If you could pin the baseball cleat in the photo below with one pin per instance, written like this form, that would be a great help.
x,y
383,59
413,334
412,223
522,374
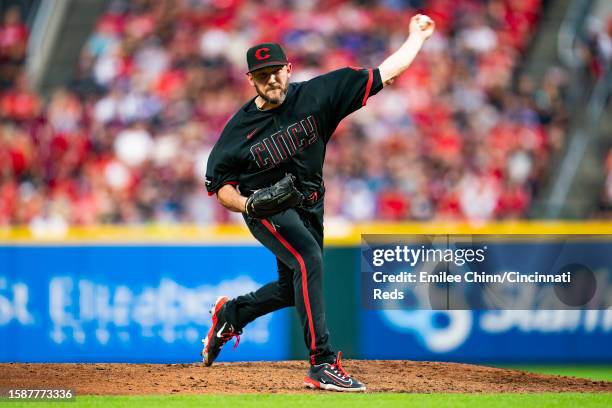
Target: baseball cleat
x,y
332,377
221,331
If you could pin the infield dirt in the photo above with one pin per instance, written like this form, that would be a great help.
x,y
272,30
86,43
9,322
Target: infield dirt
x,y
283,377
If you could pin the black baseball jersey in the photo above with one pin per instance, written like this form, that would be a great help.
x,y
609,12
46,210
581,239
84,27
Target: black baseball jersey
x,y
257,148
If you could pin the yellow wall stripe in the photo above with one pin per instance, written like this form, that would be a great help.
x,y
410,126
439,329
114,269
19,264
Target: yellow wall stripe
x,y
336,234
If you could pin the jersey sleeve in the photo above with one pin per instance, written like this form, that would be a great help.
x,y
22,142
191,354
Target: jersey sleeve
x,y
348,89
220,170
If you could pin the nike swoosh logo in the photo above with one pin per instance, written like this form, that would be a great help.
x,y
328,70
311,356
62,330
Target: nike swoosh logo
x,y
250,135
219,333
335,377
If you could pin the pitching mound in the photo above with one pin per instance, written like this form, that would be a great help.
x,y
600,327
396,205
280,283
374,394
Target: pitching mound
x,y
283,377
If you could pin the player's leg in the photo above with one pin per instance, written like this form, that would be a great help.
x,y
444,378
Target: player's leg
x,y
289,238
269,298
329,376
230,316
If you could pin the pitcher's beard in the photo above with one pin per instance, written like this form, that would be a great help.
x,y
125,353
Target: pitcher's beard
x,y
273,101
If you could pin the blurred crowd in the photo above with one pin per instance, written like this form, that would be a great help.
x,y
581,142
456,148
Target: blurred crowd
x,y
459,136
596,54
594,46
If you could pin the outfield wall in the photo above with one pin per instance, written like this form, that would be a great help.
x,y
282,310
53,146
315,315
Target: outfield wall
x,y
142,295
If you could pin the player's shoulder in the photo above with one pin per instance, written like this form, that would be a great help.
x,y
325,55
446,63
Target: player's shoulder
x,y
335,75
345,70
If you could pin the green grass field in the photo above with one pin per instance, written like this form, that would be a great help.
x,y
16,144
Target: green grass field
x,y
343,400
337,400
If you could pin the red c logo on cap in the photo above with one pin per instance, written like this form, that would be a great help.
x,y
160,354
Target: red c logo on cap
x,y
259,54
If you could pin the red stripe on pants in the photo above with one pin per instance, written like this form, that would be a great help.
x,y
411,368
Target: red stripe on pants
x,y
303,271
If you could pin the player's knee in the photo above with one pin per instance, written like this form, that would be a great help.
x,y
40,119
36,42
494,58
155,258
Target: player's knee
x,y
289,299
287,292
313,260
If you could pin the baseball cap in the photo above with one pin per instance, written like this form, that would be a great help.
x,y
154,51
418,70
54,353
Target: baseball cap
x,y
265,55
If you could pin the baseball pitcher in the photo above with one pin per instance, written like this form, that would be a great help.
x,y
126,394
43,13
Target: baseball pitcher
x,y
268,165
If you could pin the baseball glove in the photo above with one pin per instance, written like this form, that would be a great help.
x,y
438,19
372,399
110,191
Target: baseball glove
x,y
274,199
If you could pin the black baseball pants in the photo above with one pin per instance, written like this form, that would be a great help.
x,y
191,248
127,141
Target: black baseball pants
x,y
295,236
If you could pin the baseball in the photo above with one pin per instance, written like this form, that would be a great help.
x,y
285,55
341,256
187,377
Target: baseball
x,y
424,22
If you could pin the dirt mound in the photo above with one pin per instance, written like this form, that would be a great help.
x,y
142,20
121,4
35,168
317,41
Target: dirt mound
x,y
283,377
